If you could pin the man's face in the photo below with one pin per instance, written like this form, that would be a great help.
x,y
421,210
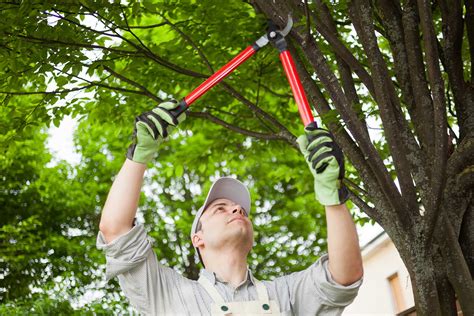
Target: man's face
x,y
225,224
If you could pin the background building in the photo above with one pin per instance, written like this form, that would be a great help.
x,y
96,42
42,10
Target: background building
x,y
387,287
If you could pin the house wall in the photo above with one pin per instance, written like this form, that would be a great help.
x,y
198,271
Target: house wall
x,y
381,261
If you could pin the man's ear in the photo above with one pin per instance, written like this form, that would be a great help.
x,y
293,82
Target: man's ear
x,y
197,239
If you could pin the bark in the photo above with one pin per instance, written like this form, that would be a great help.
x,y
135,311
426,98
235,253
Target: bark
x,y
466,237
469,18
344,68
439,111
457,270
447,299
326,26
395,126
422,110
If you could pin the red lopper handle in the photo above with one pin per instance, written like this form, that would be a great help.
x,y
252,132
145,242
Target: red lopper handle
x,y
296,86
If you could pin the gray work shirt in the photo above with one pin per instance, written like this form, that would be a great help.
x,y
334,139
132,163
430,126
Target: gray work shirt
x,y
154,289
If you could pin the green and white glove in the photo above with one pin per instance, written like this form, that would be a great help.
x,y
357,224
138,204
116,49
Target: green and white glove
x,y
326,162
152,127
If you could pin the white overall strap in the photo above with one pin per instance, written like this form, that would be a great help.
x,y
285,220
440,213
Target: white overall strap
x,y
261,291
211,290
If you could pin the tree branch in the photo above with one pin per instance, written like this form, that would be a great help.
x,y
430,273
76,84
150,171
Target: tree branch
x,y
353,151
145,50
84,27
440,120
191,42
283,131
46,92
469,18
452,21
364,207
233,128
133,83
40,40
338,46
422,110
348,83
147,26
393,121
100,84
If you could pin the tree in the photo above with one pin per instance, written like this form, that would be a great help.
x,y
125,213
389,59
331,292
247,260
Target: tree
x,y
48,225
401,67
401,52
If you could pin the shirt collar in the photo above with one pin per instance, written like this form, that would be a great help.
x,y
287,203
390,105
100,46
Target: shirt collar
x,y
211,276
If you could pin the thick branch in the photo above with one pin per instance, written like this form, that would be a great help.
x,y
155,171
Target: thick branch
x,y
440,120
422,110
451,12
324,27
392,118
457,270
391,19
469,18
344,69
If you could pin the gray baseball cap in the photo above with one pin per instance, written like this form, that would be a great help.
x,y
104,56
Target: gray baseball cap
x,y
224,188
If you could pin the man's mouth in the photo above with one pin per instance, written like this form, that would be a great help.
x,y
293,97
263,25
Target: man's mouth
x,y
236,219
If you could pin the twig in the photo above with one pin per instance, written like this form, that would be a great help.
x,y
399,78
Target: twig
x,y
239,130
46,92
133,83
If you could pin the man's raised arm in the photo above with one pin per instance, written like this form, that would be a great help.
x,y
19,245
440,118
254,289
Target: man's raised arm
x,y
345,261
326,162
122,202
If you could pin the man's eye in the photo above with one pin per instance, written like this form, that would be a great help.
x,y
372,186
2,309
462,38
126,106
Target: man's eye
x,y
220,208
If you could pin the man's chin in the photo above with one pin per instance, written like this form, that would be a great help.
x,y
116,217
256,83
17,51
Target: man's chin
x,y
238,233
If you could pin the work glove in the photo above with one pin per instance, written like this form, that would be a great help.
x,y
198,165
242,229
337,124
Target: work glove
x,y
152,127
326,162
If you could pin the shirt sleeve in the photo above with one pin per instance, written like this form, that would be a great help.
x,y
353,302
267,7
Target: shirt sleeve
x,y
149,286
313,290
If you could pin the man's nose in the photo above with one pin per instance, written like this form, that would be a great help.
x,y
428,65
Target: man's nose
x,y
238,209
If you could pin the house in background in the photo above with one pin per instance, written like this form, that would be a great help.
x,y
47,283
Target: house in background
x,y
387,287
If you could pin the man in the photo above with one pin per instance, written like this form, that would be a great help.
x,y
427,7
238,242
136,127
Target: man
x,y
223,236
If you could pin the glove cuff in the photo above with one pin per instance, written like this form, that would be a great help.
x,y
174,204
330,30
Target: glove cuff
x,y
141,154
334,196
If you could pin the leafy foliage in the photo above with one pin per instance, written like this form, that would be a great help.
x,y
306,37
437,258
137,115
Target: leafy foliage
x,y
50,212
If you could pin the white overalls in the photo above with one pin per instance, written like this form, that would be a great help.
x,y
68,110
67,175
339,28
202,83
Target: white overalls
x,y
262,306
